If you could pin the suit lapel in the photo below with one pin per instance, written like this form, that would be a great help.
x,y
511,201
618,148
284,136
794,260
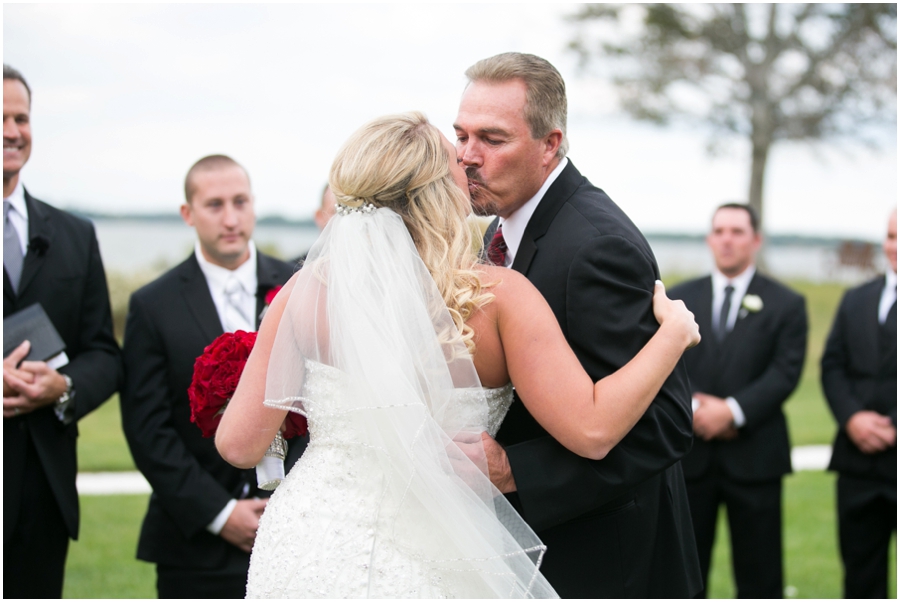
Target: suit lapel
x,y
267,278
556,196
199,300
39,227
9,295
868,323
703,311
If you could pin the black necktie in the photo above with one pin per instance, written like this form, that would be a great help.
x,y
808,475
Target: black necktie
x,y
723,315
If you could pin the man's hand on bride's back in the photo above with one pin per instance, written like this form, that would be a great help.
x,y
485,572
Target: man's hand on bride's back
x,y
674,315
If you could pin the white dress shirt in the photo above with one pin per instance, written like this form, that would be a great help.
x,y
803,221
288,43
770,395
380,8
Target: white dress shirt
x,y
217,278
888,296
740,283
18,215
514,225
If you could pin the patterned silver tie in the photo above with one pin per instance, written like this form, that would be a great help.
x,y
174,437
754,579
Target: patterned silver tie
x,y
235,316
12,249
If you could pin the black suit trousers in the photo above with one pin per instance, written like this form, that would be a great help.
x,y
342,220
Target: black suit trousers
x,y
228,581
754,522
867,515
34,555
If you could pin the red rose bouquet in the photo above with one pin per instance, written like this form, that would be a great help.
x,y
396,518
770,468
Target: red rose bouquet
x,y
216,376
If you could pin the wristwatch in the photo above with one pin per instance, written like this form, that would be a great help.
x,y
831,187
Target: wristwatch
x,y
65,400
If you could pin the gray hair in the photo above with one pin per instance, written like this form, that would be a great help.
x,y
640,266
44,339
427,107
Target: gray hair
x,y
545,97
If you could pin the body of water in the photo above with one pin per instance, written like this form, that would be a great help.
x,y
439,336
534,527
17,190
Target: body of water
x,y
136,245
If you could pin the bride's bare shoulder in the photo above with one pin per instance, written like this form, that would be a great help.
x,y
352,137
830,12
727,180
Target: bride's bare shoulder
x,y
507,285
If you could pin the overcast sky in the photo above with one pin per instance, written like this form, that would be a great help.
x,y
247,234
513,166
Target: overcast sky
x,y
128,96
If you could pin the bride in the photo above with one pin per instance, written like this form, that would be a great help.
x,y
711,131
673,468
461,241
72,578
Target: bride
x,y
399,348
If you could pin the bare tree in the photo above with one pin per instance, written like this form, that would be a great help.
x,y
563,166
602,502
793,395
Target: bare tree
x,y
764,72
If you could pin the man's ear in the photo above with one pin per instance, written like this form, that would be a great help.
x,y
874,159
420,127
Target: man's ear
x,y
187,215
552,141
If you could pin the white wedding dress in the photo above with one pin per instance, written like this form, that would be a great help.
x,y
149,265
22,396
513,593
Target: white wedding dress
x,y
317,536
385,502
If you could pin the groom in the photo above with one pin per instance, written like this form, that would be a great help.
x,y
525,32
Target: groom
x,y
618,527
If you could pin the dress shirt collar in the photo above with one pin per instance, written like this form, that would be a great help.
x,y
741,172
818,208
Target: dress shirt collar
x,y
514,226
217,276
890,280
740,282
17,200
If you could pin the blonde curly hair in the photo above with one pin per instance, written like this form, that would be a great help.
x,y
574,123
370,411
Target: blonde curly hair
x,y
399,162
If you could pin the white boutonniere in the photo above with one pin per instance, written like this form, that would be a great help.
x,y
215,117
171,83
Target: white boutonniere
x,y
751,304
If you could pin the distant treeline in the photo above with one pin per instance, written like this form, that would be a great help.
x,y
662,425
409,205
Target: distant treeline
x,y
266,220
279,220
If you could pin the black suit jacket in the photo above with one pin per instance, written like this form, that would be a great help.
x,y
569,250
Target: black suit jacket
x,y
170,321
63,272
627,515
859,372
759,364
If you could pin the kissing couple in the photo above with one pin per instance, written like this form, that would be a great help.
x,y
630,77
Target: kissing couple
x,y
426,474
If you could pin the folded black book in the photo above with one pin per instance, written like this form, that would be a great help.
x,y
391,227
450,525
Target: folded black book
x,y
33,324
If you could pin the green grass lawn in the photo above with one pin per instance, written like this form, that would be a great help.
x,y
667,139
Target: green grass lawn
x,y
102,564
812,566
101,442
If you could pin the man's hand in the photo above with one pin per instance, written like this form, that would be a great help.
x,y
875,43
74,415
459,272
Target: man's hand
x,y
45,387
240,528
713,418
871,432
11,367
498,465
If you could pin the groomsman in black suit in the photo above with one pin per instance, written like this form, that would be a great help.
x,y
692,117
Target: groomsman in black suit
x,y
859,377
748,363
620,526
49,257
203,514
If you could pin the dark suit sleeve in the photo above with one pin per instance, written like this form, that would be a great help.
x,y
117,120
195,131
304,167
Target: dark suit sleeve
x,y
761,398
610,318
96,369
836,381
188,493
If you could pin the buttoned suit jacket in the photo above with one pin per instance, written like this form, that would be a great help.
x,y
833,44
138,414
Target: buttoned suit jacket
x,y
859,374
62,271
759,363
620,526
170,322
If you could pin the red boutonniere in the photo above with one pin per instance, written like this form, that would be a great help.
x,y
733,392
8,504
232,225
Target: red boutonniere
x,y
216,376
270,296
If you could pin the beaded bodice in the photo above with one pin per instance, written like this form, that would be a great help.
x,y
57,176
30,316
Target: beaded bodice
x,y
324,386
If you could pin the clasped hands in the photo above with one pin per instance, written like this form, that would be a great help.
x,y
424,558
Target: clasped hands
x,y
28,386
871,432
713,418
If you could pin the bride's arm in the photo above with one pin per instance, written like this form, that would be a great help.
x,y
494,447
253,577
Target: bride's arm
x,y
587,418
248,427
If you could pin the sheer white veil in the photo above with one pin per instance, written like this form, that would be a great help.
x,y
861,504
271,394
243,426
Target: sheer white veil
x,y
366,306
